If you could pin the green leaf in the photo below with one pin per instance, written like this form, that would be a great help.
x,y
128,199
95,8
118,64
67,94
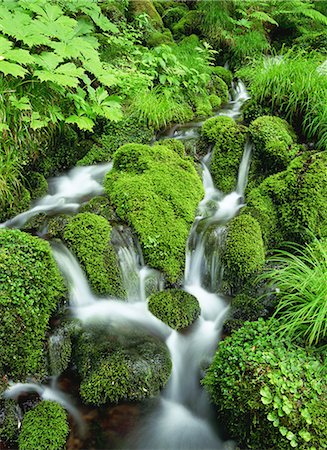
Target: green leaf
x,y
305,435
20,56
83,122
23,104
38,122
9,68
266,396
306,415
48,60
283,431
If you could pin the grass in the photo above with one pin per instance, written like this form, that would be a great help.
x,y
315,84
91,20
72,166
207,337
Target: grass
x,y
299,274
293,86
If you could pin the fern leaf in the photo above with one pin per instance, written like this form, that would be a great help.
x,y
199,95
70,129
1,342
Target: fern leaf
x,y
20,56
48,60
83,122
9,68
263,17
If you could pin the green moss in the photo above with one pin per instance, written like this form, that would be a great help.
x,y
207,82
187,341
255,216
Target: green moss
x,y
218,86
215,101
176,308
243,308
268,393
8,420
138,7
273,141
128,367
187,25
251,110
243,252
155,38
88,236
101,206
173,15
294,201
157,192
59,351
44,428
38,185
56,226
225,74
20,204
31,288
203,106
229,139
115,135
174,144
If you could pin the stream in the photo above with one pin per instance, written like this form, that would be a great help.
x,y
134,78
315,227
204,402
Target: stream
x,y
183,418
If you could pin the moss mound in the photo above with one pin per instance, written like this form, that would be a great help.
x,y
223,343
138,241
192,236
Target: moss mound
x,y
220,88
176,308
290,203
100,206
268,393
31,287
243,253
229,139
273,140
243,308
225,74
156,191
44,428
128,367
88,236
174,144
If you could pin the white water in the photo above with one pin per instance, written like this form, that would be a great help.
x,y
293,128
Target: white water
x,y
182,420
66,193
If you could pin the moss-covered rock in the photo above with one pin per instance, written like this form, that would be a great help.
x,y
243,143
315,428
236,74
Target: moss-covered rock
x,y
225,74
88,236
243,253
114,136
173,15
218,86
138,7
243,308
59,351
176,308
128,367
290,203
215,101
187,25
44,428
155,38
273,141
56,225
269,394
203,106
31,287
19,204
156,191
229,139
38,185
251,110
174,144
101,206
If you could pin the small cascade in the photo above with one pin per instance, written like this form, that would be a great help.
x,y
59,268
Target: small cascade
x,y
66,193
244,170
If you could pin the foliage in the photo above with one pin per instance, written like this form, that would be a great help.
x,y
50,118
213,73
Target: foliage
x,y
88,235
293,200
268,393
55,44
114,136
272,138
132,366
36,432
176,308
229,139
243,253
31,288
292,85
299,274
156,191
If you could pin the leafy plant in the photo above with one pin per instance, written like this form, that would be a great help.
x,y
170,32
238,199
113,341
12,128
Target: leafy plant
x,y
299,276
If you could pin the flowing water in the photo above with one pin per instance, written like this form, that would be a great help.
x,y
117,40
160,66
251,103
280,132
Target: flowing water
x,y
183,419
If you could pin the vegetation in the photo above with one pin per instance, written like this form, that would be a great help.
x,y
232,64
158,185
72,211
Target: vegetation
x,y
176,308
112,368
31,288
266,391
88,235
36,432
300,280
150,186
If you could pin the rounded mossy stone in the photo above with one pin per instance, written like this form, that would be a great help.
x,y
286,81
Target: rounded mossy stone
x,y
187,25
174,307
215,101
273,141
243,252
156,191
229,139
137,7
225,74
56,225
114,368
218,86
203,106
174,15
88,236
155,38
173,144
268,392
45,427
100,206
291,205
251,110
31,288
